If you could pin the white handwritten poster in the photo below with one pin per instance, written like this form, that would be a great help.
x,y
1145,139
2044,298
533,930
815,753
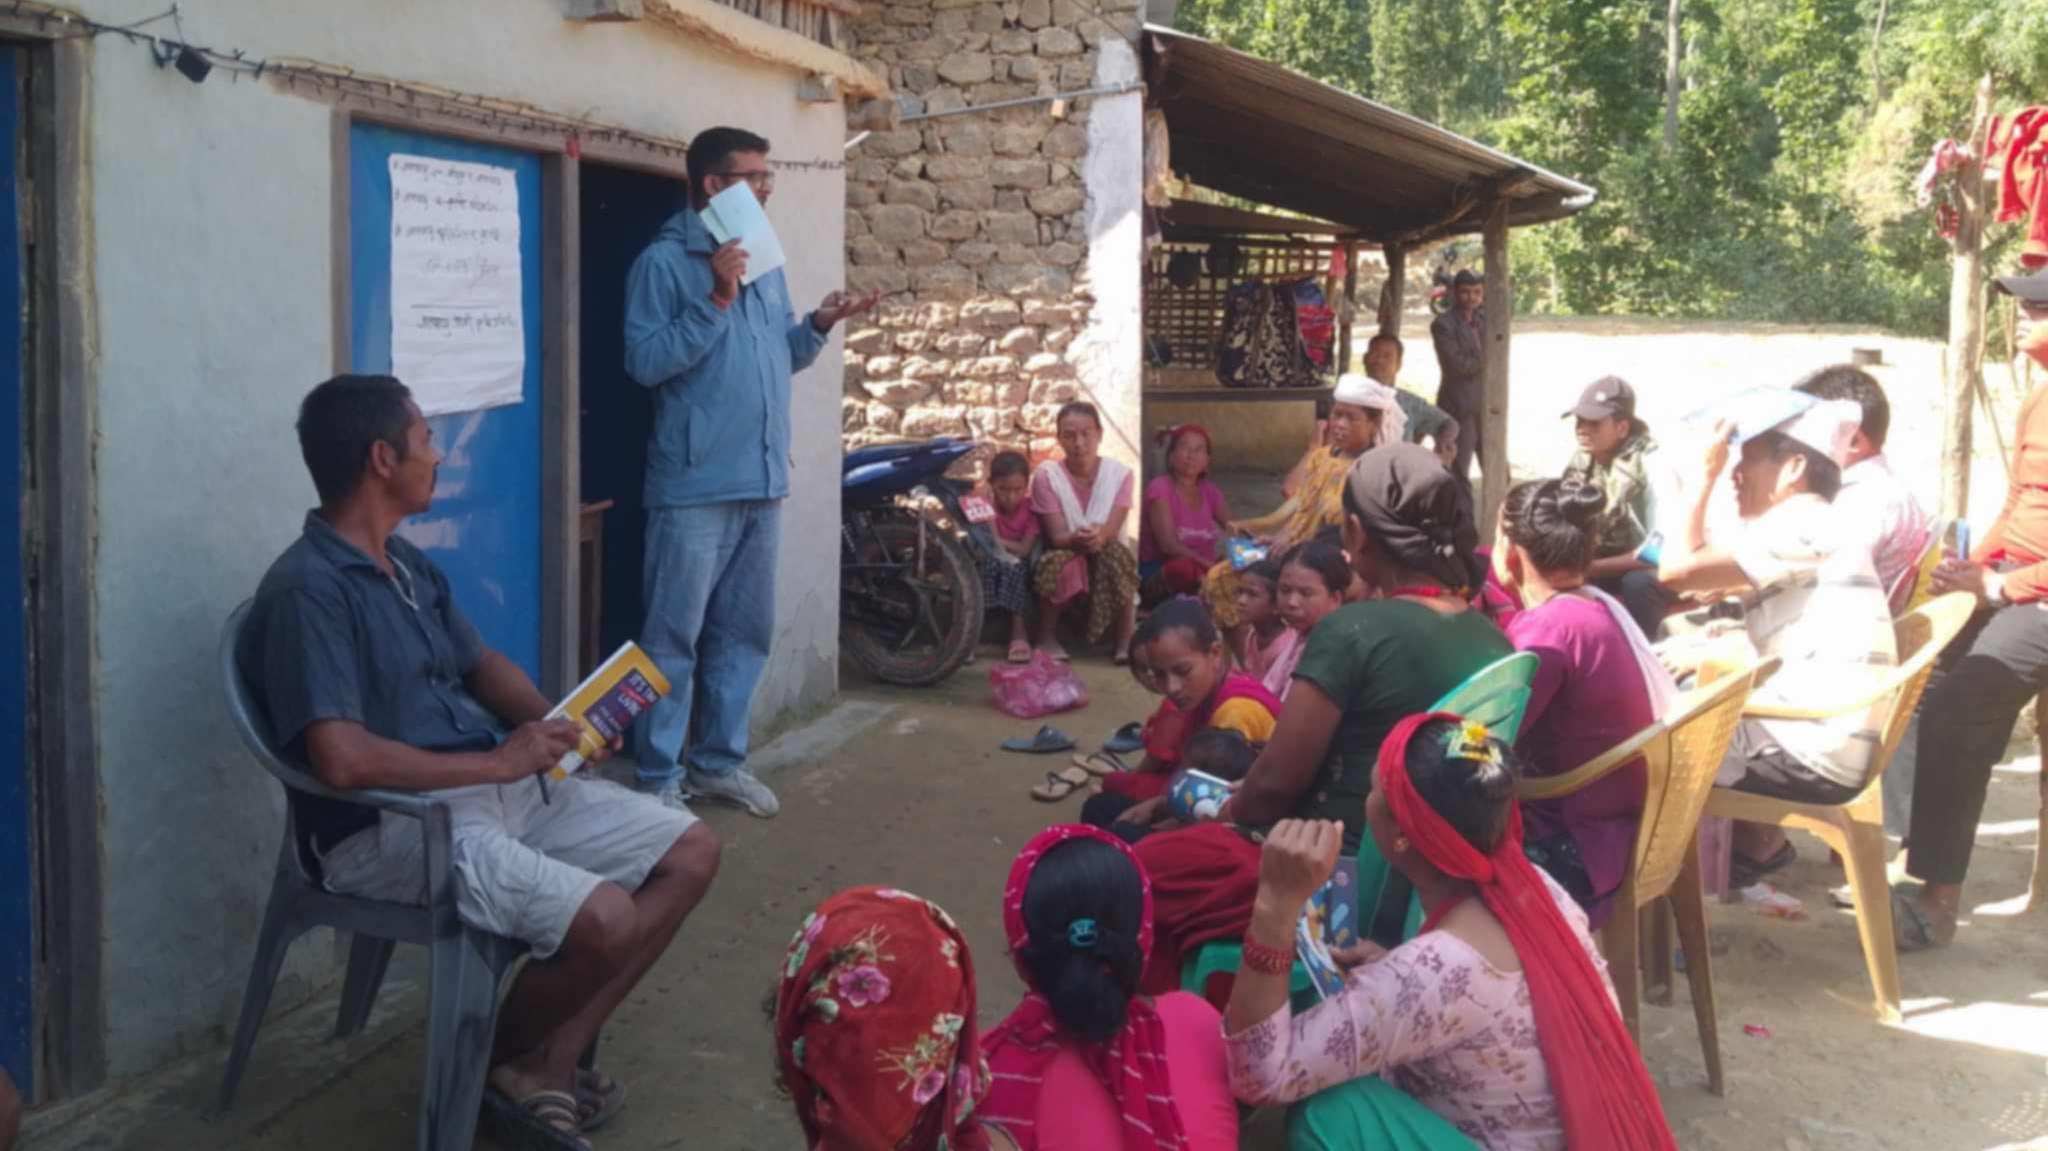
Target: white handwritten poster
x,y
458,330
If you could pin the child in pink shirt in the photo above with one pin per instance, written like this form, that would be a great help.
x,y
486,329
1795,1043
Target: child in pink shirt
x,y
1008,579
1266,637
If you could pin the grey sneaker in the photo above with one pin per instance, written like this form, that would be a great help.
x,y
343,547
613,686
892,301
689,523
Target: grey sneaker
x,y
739,788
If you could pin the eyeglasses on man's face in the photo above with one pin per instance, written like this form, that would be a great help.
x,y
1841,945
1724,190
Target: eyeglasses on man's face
x,y
760,180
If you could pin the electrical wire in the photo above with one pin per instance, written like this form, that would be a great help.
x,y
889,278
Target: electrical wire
x,y
495,115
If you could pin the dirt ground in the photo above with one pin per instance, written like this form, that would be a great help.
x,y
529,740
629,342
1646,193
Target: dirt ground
x,y
907,788
920,797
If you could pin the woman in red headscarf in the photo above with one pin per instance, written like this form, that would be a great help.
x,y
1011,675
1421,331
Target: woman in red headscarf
x,y
1499,1017
1085,1061
875,1038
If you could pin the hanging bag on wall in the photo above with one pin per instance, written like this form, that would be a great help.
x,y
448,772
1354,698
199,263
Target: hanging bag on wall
x,y
1317,325
1260,342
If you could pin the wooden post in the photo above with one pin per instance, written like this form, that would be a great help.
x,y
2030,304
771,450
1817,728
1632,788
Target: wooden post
x,y
1965,358
1392,291
1493,399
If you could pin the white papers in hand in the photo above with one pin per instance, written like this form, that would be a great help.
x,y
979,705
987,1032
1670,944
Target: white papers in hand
x,y
735,214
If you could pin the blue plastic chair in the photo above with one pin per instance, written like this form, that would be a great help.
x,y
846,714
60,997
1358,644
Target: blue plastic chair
x,y
466,967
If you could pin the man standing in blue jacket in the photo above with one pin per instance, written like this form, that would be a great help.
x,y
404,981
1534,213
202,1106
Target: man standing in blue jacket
x,y
719,354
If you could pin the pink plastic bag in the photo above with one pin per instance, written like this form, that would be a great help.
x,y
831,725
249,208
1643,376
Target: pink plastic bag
x,y
1041,687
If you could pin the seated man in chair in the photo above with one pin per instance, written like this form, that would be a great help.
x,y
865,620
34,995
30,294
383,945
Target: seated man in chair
x,y
1810,596
369,675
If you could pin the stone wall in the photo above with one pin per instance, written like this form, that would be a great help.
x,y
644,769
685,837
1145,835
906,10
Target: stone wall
x,y
974,225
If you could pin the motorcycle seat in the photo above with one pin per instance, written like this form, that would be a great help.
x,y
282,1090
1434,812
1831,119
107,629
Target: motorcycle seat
x,y
883,453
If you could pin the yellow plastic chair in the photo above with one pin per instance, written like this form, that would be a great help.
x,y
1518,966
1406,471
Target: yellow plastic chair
x,y
1855,830
1682,752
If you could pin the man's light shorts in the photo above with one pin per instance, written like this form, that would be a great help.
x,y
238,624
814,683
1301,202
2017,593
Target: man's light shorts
x,y
522,867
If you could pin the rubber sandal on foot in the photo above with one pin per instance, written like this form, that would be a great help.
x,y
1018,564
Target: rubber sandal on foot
x,y
599,1098
1744,872
543,1119
1912,928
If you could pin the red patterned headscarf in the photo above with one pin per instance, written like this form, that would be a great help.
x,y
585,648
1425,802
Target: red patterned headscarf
x,y
1131,1064
1169,438
875,1038
1605,1098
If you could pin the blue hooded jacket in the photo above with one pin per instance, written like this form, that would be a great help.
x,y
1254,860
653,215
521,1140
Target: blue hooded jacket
x,y
721,376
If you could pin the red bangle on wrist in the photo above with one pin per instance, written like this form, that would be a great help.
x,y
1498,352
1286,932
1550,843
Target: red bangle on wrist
x,y
1267,960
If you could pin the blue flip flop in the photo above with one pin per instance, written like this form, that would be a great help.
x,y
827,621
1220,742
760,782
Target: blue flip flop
x,y
1128,738
1048,739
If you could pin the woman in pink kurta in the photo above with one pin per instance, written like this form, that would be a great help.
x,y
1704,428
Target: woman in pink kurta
x,y
1437,1020
1499,1017
1185,517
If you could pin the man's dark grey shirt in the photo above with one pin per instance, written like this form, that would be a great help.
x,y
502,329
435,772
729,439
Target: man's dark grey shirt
x,y
332,637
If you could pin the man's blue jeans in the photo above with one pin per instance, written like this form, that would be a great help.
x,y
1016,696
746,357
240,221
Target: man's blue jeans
x,y
709,589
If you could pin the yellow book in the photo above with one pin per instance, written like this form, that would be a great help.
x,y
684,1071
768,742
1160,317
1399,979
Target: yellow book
x,y
620,691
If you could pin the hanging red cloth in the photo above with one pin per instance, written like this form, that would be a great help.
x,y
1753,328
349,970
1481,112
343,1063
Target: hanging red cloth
x,y
1204,880
2022,139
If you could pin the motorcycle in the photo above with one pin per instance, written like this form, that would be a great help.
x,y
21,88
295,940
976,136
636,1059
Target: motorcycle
x,y
910,591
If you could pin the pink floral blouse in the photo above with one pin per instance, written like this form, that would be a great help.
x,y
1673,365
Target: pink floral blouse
x,y
1434,1019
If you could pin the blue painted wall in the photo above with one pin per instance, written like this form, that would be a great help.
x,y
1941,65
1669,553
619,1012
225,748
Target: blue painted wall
x,y
17,875
484,529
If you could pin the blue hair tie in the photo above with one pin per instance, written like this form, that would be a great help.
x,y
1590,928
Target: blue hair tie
x,y
1081,933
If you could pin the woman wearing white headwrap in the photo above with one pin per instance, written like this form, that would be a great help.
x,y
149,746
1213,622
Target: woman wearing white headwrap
x,y
1366,392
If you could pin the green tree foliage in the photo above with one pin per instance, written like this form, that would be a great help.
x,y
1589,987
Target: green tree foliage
x,y
1438,59
1789,194
1330,40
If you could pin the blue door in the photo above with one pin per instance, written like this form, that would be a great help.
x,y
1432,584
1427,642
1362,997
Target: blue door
x,y
484,529
17,872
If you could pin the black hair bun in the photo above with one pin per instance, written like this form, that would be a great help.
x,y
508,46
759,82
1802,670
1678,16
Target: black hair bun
x,y
1580,504
1493,782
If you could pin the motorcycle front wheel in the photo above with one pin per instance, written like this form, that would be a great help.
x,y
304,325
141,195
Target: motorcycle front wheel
x,y
910,599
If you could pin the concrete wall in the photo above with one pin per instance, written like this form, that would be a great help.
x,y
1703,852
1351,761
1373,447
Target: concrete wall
x,y
213,271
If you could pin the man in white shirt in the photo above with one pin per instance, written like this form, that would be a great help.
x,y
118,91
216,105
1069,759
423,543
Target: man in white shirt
x,y
1811,597
1900,528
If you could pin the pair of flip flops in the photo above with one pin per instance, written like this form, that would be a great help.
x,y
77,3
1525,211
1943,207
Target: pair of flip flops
x,y
1066,781
1048,739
